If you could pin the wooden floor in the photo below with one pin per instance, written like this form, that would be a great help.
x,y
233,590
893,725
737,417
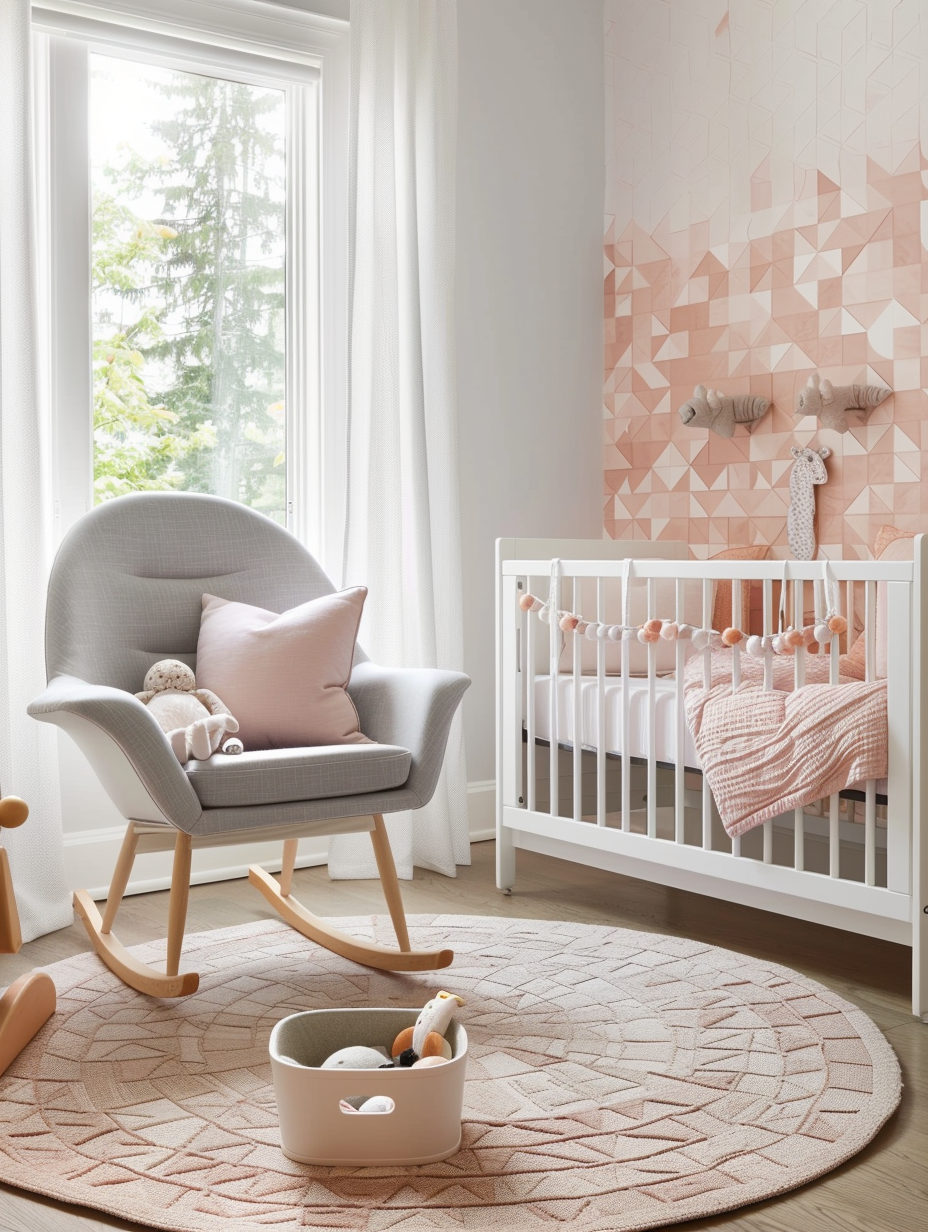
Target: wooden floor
x,y
883,1189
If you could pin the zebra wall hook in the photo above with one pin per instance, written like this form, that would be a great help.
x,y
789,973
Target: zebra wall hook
x,y
831,403
807,472
719,413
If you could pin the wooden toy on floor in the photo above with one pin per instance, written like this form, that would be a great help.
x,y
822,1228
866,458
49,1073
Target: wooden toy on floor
x,y
29,1002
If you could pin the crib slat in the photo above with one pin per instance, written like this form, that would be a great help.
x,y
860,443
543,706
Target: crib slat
x,y
899,688
768,629
834,801
600,707
626,702
530,626
799,676
737,623
578,712
707,683
553,649
652,730
679,783
870,833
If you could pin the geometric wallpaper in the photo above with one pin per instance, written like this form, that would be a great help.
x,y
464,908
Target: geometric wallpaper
x,y
767,216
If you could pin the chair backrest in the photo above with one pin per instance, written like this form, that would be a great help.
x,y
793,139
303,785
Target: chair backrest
x,y
127,583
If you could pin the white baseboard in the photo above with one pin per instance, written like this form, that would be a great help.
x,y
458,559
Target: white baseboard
x,y
90,855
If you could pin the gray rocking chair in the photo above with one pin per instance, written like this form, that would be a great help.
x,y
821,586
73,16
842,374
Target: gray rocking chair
x,y
125,591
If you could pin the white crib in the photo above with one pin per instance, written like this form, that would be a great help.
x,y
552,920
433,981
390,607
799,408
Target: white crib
x,y
599,769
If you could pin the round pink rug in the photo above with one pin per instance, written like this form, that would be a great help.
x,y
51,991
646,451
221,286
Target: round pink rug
x,y
616,1080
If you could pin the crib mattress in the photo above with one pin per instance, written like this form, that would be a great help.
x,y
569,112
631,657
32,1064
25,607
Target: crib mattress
x,y
665,699
664,738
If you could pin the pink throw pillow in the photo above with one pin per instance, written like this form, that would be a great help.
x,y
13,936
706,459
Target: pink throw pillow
x,y
283,676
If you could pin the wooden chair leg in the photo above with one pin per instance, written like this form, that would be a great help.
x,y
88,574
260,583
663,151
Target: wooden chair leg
x,y
368,953
287,865
131,971
383,854
177,904
121,875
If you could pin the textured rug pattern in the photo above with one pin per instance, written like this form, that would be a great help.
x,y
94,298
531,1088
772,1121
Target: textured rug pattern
x,y
616,1080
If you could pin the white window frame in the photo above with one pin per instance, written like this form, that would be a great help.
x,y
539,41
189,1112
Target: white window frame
x,y
305,54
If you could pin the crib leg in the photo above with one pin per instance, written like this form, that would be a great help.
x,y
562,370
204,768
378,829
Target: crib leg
x,y
919,958
505,859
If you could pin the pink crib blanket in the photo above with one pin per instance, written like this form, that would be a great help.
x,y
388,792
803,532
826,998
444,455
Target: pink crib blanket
x,y
765,752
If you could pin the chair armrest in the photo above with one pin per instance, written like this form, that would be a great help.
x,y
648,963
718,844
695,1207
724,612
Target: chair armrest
x,y
412,707
126,747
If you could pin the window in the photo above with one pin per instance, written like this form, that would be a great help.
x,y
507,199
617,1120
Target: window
x,y
193,301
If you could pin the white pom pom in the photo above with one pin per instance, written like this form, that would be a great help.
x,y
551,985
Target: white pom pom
x,y
642,637
544,613
755,647
685,632
591,632
776,645
822,633
614,633
701,639
628,635
602,632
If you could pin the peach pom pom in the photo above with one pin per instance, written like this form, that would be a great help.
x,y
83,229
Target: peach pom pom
x,y
808,635
793,638
527,603
838,625
568,622
786,646
653,626
731,637
670,630
581,628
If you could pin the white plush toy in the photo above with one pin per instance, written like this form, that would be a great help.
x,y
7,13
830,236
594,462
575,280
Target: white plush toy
x,y
195,721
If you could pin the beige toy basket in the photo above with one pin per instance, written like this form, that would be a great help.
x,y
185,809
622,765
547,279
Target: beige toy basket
x,y
425,1123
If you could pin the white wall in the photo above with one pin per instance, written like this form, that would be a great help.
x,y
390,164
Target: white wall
x,y
529,298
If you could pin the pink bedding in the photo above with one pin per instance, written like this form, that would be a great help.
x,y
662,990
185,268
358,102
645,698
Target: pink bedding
x,y
765,752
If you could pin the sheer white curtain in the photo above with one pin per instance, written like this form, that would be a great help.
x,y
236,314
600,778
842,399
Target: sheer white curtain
x,y
28,752
402,536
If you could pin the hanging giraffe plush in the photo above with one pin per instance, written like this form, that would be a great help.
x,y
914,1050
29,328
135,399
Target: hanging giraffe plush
x,y
808,471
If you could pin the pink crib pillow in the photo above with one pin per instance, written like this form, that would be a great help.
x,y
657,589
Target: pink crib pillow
x,y
283,676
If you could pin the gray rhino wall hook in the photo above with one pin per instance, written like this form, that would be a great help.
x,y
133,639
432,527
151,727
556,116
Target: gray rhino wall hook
x,y
716,411
831,403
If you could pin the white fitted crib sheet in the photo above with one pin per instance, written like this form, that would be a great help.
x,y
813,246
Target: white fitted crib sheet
x,y
665,695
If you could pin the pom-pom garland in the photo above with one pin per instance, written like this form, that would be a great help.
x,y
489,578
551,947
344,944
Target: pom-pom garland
x,y
786,642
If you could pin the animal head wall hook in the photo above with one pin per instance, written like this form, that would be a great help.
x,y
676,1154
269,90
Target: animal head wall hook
x,y
831,403
719,413
808,471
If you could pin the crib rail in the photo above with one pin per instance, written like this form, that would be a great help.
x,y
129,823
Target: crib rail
x,y
620,784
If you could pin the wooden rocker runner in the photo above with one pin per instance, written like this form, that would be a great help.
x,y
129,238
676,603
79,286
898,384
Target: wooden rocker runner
x,y
114,608
29,1002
